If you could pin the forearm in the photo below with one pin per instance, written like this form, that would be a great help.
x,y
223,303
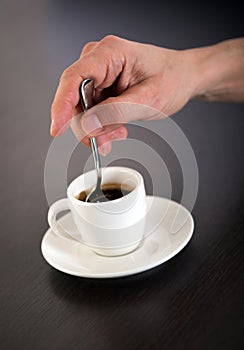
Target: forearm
x,y
218,71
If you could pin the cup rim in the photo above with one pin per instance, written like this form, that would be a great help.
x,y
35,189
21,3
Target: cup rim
x,y
115,168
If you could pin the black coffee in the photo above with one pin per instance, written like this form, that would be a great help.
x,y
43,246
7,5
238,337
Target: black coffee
x,y
110,191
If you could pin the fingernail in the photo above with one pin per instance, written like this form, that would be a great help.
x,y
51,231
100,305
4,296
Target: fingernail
x,y
53,128
56,129
105,149
91,124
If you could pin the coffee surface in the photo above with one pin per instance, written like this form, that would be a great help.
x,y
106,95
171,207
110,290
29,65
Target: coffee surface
x,y
110,191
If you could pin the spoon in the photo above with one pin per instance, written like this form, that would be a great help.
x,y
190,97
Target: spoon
x,y
86,93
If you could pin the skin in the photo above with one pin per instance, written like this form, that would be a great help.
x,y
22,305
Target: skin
x,y
131,72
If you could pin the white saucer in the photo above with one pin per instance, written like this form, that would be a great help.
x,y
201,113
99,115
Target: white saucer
x,y
159,246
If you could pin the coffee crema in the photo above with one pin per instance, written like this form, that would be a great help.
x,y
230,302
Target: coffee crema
x,y
111,191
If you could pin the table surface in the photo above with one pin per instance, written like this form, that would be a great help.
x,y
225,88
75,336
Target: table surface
x,y
193,301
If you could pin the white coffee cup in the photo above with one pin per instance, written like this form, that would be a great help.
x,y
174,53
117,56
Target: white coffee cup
x,y
109,228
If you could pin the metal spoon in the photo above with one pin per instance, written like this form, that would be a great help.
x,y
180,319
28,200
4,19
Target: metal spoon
x,y
86,93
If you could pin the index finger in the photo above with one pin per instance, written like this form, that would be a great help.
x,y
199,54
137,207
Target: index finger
x,y
103,65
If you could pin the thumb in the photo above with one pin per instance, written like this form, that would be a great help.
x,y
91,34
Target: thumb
x,y
114,112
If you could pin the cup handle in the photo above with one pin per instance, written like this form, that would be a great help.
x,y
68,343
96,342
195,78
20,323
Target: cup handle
x,y
54,210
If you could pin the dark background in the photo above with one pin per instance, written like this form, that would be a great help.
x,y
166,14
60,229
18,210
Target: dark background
x,y
191,302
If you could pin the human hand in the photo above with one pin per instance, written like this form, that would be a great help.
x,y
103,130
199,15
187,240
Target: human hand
x,y
123,71
128,73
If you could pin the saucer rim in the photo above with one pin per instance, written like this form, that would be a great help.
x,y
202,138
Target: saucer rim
x,y
128,272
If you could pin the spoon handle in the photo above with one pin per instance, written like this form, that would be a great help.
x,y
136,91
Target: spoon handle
x,y
97,160
86,92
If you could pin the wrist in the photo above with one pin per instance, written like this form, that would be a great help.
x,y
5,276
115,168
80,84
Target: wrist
x,y
217,71
201,62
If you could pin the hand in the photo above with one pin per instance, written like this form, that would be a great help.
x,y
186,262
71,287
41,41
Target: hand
x,y
163,79
123,71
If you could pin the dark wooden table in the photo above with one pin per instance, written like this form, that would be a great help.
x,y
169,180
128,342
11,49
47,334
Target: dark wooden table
x,y
193,301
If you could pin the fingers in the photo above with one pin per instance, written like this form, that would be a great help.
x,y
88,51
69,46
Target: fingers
x,y
109,115
66,98
88,47
105,121
112,63
102,61
104,140
119,134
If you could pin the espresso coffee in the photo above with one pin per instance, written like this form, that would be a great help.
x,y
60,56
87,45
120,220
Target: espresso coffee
x,y
110,191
